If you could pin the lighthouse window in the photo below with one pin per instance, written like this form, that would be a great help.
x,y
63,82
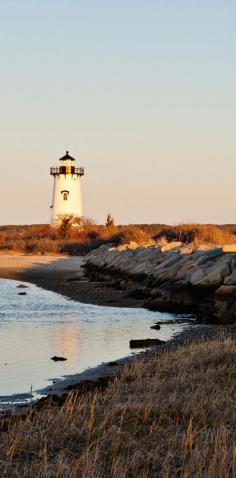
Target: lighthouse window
x,y
65,196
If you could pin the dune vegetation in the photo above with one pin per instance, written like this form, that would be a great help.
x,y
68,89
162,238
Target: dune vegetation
x,y
166,415
199,234
67,239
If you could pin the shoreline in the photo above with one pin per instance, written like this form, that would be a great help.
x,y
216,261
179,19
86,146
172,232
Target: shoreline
x,y
172,278
64,275
108,370
99,377
156,399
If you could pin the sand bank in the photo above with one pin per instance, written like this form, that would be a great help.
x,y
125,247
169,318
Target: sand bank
x,y
64,275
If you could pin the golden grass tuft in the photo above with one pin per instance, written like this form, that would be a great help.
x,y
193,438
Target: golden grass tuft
x,y
198,234
172,415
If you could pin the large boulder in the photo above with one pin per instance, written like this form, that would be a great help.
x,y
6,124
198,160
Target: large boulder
x,y
213,274
202,256
173,298
229,248
231,279
167,261
196,277
225,303
170,246
143,343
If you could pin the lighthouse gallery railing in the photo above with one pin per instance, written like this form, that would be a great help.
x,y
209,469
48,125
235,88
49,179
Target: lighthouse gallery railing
x,y
67,170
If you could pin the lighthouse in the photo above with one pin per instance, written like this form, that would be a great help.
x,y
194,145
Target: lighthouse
x,y
66,190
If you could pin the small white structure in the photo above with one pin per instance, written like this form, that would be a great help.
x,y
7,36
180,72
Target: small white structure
x,y
66,191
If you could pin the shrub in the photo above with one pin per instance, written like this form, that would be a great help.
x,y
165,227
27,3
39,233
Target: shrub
x,y
110,223
65,227
197,234
131,234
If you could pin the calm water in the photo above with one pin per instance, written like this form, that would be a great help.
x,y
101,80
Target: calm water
x,y
42,324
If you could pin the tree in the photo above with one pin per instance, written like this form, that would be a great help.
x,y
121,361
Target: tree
x,y
65,226
110,223
69,224
83,223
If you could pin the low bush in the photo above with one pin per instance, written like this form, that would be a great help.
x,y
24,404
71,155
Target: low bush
x,y
130,234
197,234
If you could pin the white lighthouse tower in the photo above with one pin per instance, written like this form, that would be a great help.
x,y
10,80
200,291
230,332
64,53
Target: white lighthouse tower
x,y
66,191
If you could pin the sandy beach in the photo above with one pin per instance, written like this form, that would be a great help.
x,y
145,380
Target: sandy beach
x,y
64,275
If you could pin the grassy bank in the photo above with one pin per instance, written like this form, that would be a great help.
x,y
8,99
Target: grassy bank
x,y
66,239
172,415
43,239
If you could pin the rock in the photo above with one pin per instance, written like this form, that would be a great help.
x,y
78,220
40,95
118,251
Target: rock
x,y
143,343
207,247
171,245
225,304
187,249
155,327
21,293
197,277
225,290
50,400
75,279
185,269
204,255
231,279
168,273
174,298
122,284
58,359
112,364
168,260
125,247
132,245
171,277
229,248
90,385
139,293
213,275
22,286
178,321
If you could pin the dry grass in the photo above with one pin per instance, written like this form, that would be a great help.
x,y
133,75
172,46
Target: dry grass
x,y
199,234
170,416
43,239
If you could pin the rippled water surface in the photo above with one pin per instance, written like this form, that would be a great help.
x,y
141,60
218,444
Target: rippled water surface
x,y
36,326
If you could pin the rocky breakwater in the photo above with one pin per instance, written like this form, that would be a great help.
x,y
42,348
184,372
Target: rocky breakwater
x,y
173,277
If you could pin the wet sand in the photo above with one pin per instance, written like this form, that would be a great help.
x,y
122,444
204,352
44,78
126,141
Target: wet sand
x,y
64,275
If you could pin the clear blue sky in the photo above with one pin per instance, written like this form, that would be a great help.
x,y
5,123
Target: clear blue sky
x,y
141,92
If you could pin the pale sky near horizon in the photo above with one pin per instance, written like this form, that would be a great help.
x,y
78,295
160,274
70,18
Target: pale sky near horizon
x,y
142,93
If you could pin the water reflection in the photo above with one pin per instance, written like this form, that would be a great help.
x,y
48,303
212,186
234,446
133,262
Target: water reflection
x,y
41,324
66,341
